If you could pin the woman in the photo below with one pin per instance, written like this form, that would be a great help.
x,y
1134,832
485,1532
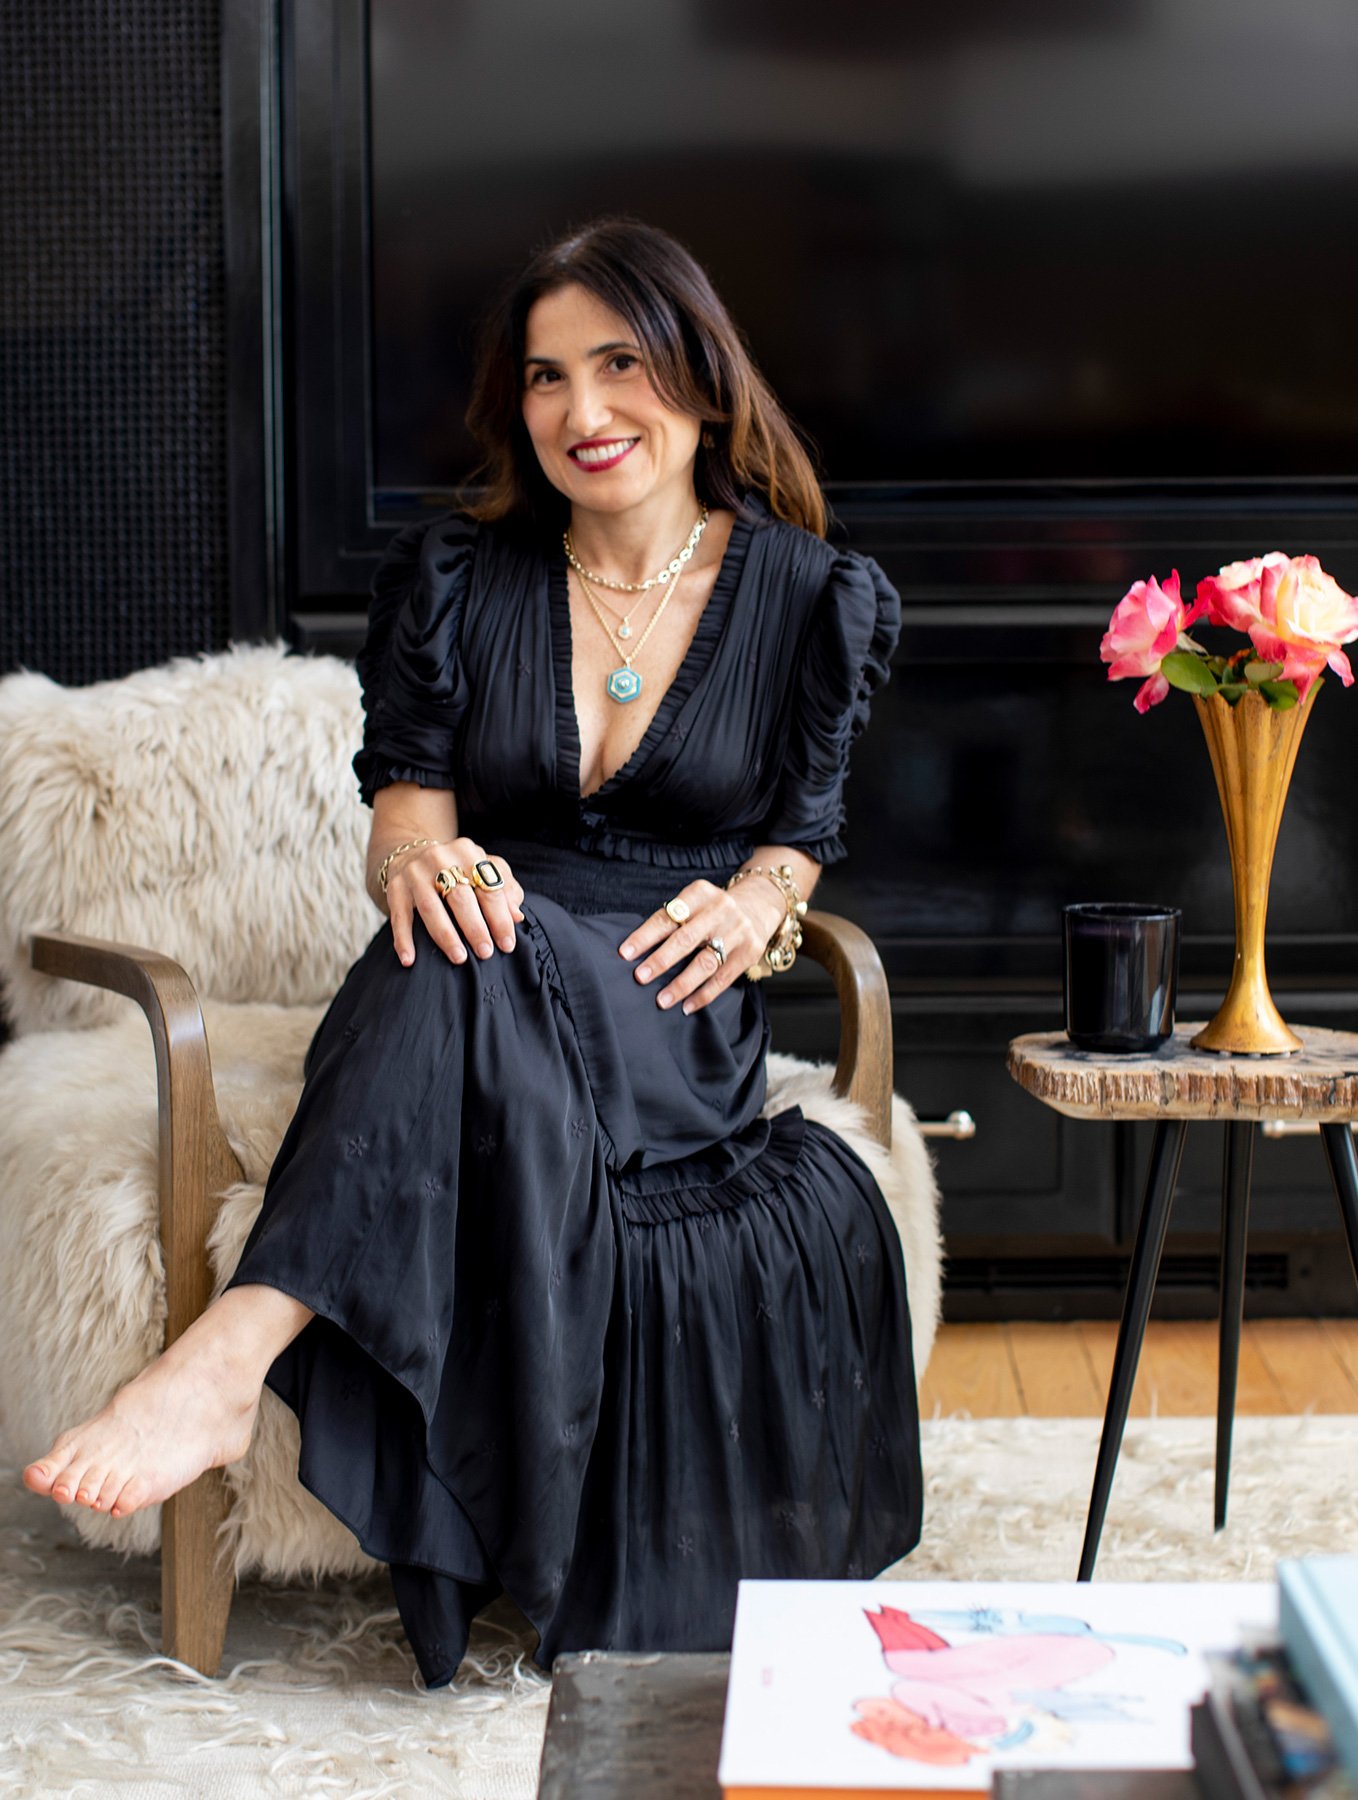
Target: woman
x,y
558,1311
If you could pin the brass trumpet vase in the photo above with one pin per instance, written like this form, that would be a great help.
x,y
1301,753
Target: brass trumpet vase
x,y
1253,750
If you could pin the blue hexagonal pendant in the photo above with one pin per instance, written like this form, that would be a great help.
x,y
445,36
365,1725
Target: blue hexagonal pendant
x,y
623,684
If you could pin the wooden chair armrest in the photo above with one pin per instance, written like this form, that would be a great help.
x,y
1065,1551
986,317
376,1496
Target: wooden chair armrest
x,y
864,1069
196,1162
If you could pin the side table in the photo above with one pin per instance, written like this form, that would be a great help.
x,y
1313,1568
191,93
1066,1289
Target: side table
x,y
1318,1085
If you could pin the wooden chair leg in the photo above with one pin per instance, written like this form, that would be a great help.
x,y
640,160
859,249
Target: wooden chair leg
x,y
196,1580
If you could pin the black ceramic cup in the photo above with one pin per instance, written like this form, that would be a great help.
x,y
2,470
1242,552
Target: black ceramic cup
x,y
1122,967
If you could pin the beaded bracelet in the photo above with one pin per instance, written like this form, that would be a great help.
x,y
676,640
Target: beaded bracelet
x,y
400,850
781,950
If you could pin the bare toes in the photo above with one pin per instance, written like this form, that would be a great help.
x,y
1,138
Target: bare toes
x,y
38,1477
87,1494
108,1491
131,1495
65,1480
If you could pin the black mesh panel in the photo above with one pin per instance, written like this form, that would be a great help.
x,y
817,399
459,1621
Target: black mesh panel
x,y
112,368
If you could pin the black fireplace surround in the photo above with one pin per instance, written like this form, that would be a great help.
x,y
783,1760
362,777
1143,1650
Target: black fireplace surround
x,y
1010,494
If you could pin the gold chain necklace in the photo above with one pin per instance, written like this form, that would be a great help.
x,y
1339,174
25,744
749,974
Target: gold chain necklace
x,y
624,684
668,573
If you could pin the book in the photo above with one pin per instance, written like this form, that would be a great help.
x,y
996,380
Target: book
x,y
1256,1737
843,1688
1318,1616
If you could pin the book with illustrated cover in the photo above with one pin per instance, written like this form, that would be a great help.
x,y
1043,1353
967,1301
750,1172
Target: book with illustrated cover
x,y
1318,1613
848,1687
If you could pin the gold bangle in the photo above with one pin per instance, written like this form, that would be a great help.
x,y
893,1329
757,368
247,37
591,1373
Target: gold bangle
x,y
781,950
400,850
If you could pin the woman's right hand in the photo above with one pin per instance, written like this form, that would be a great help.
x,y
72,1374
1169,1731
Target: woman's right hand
x,y
471,918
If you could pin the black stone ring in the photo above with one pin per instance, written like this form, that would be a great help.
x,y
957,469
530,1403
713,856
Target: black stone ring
x,y
486,875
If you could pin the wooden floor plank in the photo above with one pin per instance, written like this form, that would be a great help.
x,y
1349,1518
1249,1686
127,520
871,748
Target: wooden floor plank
x,y
970,1371
1099,1337
1258,1391
1063,1370
1303,1362
1342,1337
1055,1376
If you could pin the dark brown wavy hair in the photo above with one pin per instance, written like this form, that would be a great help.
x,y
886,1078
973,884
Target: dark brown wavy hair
x,y
696,359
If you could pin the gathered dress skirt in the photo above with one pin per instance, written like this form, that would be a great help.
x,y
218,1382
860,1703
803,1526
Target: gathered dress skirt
x,y
589,1329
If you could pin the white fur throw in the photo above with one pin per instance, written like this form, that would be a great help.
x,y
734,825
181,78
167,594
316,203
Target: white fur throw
x,y
206,809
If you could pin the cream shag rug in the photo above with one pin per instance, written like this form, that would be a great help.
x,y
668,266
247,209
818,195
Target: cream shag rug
x,y
320,1696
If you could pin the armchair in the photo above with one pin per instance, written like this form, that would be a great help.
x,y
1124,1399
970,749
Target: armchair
x,y
208,808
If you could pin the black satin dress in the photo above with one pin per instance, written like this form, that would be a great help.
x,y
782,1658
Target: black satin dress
x,y
589,1329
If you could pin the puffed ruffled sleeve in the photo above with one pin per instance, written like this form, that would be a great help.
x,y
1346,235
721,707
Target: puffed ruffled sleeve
x,y
845,658
414,687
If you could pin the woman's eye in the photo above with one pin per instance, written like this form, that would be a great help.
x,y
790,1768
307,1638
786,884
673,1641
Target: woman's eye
x,y
542,377
624,361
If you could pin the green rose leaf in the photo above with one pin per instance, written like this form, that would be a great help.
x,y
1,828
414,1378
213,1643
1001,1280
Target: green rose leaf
x,y
1280,694
1231,691
1181,669
1257,673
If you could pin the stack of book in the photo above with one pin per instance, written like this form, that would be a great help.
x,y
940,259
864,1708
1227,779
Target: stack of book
x,y
1279,1720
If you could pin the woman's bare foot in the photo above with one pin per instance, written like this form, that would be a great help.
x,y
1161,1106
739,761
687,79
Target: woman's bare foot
x,y
193,1409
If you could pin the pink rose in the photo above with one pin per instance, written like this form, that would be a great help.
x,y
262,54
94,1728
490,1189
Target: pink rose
x,y
1144,628
1231,597
1304,616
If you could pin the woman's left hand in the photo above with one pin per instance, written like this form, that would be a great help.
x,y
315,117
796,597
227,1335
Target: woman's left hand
x,y
741,919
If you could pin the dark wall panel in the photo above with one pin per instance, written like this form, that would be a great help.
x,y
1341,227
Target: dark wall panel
x,y
113,510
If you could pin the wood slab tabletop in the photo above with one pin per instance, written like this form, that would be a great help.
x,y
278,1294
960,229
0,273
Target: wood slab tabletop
x,y
1319,1084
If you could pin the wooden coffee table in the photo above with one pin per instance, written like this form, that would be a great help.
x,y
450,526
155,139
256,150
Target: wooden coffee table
x,y
1178,1084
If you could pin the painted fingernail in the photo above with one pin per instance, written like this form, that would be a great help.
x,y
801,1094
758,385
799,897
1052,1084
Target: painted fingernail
x,y
645,972
629,951
507,941
689,1006
484,950
666,1000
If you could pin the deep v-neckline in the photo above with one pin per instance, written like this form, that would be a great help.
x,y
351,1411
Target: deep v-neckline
x,y
697,660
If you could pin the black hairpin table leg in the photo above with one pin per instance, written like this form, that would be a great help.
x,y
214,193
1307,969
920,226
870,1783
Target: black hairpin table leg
x,y
1339,1152
1167,1150
1235,1217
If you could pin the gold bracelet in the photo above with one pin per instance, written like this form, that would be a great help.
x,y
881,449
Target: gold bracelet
x,y
400,850
781,950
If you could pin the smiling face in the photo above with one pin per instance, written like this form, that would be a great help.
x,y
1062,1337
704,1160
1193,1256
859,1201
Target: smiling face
x,y
604,437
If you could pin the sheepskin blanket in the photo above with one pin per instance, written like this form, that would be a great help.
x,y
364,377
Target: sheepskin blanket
x,y
82,1283
205,809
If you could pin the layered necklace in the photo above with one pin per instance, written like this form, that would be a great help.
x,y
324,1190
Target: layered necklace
x,y
623,684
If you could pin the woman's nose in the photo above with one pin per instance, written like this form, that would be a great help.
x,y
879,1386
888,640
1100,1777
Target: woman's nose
x,y
589,411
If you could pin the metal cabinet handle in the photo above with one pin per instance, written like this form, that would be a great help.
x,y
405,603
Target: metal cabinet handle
x,y
1294,1128
956,1125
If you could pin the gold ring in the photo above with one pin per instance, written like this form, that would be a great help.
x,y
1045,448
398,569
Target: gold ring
x,y
678,909
445,881
718,949
485,875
